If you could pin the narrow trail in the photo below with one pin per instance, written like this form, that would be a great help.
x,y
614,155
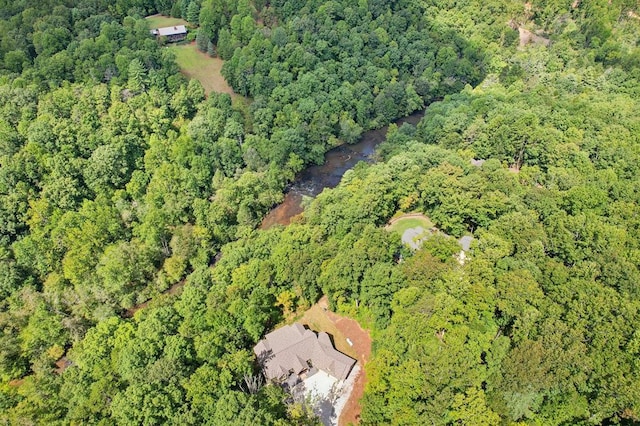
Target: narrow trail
x,y
175,289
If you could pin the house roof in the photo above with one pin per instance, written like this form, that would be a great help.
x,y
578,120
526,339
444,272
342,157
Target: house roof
x,y
293,347
168,31
465,242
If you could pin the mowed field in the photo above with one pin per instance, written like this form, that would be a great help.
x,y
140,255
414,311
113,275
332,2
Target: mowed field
x,y
198,65
160,21
408,221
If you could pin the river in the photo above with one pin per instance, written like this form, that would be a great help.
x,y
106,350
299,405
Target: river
x,y
314,179
311,182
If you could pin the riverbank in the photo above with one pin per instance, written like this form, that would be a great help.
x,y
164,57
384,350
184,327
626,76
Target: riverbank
x,y
314,179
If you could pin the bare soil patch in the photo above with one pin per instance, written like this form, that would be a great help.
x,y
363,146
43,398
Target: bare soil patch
x,y
527,37
319,318
62,364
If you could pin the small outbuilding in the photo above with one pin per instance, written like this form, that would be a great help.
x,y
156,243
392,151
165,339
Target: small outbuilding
x,y
293,350
172,34
465,242
465,245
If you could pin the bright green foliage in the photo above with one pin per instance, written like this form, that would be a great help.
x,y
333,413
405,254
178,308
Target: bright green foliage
x,y
193,12
352,71
118,180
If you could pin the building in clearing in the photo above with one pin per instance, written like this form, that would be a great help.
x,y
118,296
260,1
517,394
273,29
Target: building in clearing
x,y
293,351
177,33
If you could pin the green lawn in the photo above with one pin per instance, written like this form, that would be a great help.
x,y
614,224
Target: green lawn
x,y
195,64
159,21
401,224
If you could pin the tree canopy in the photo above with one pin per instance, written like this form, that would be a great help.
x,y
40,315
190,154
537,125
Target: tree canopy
x,y
121,183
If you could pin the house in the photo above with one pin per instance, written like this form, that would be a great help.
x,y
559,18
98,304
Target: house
x,y
292,352
465,245
465,242
477,163
177,33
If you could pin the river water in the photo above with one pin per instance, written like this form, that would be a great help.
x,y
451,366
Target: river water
x,y
312,180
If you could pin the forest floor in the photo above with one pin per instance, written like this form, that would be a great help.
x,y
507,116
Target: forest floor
x,y
175,289
319,318
202,67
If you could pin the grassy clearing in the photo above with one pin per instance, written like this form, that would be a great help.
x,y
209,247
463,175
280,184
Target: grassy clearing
x,y
160,21
317,319
403,223
198,65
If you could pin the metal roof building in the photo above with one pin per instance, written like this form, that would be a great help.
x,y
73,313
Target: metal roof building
x,y
176,33
168,31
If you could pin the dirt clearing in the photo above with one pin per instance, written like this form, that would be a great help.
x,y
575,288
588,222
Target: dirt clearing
x,y
358,346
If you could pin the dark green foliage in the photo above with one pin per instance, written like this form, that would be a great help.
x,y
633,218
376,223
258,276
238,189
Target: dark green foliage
x,y
118,181
202,41
340,63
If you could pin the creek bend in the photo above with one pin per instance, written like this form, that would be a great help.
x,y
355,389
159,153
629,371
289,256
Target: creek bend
x,y
314,179
311,182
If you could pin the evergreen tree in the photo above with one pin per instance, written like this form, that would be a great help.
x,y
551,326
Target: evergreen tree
x,y
193,12
211,49
202,41
137,76
225,44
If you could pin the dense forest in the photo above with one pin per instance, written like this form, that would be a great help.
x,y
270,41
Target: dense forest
x,y
120,178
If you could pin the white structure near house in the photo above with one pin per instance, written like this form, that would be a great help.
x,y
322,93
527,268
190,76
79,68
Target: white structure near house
x,y
310,367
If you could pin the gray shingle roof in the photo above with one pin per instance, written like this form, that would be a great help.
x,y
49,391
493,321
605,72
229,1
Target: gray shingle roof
x,y
293,347
465,242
